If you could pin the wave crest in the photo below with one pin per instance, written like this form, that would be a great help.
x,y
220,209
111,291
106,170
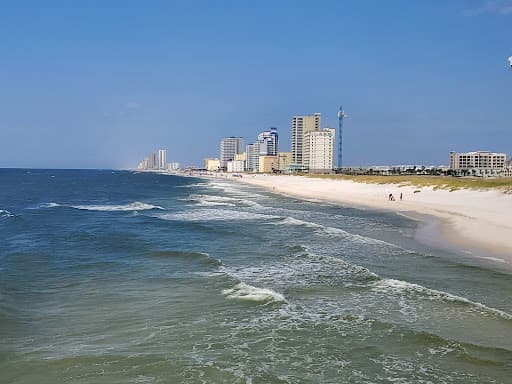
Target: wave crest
x,y
333,231
393,285
135,206
243,291
5,213
199,256
214,215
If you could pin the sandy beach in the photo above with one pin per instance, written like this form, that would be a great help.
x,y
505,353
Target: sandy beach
x,y
472,222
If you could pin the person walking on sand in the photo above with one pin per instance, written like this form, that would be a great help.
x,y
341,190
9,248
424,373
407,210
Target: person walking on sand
x,y
401,196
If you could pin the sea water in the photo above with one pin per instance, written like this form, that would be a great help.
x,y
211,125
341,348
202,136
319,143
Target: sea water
x,y
125,277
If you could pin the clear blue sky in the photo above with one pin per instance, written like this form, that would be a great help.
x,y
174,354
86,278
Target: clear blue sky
x,y
98,84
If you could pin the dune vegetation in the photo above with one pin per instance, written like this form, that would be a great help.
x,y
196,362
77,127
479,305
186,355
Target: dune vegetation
x,y
437,182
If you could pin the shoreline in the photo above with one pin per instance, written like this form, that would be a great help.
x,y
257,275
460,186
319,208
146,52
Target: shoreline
x,y
467,222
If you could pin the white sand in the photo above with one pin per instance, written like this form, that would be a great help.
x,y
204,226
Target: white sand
x,y
475,222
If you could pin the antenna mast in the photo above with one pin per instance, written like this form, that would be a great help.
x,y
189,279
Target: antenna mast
x,y
341,116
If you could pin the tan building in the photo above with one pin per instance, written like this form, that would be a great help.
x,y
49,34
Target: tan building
x,y
212,165
300,126
318,155
284,159
267,164
241,156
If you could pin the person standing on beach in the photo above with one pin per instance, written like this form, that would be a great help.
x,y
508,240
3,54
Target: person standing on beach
x,y
401,196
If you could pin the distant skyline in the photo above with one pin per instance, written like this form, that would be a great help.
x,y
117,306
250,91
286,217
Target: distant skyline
x,y
99,84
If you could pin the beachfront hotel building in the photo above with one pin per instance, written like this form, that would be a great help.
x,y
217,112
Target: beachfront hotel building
x,y
284,160
268,141
267,164
252,157
229,147
479,163
162,161
237,164
300,126
318,150
211,165
152,161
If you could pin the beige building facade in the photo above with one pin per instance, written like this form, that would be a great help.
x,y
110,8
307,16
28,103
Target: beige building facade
x,y
318,154
212,165
268,164
479,159
301,125
480,163
284,160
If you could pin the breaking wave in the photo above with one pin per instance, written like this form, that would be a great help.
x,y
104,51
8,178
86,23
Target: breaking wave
x,y
403,287
5,213
199,256
211,200
332,231
214,200
214,215
242,291
135,206
195,185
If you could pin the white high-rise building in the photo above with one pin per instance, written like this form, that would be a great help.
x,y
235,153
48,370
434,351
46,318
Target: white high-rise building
x,y
300,126
318,151
229,147
268,141
152,161
162,154
252,157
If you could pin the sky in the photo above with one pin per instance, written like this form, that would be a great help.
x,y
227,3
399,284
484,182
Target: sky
x,y
99,84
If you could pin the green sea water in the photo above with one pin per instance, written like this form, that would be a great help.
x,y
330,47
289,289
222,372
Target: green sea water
x,y
121,277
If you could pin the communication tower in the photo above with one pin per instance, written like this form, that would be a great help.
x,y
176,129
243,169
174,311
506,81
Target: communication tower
x,y
341,116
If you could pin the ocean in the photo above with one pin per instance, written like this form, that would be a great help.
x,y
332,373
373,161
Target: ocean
x,y
126,277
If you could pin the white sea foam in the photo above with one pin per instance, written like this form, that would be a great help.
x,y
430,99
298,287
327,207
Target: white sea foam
x,y
49,205
497,259
135,206
215,200
332,231
211,200
195,185
214,215
392,285
5,213
242,291
303,269
228,188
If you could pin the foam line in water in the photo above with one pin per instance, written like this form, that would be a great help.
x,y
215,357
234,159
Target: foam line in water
x,y
49,205
228,188
211,200
242,291
135,206
199,256
214,215
215,200
393,285
332,231
195,185
5,213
